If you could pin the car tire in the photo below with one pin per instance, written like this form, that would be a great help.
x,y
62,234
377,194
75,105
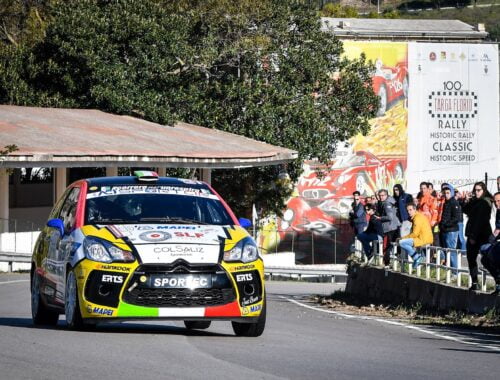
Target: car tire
x,y
254,329
42,316
197,325
382,94
72,311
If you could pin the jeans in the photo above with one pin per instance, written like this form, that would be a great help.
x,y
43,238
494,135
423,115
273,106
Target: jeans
x,y
407,246
450,241
461,237
366,239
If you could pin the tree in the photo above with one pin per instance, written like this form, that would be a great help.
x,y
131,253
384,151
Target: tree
x,y
260,69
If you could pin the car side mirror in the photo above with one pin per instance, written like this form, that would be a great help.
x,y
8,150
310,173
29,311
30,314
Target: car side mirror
x,y
56,223
245,223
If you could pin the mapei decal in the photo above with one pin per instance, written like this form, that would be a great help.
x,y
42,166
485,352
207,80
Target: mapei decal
x,y
100,310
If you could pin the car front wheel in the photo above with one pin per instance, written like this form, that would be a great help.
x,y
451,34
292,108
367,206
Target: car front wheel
x,y
71,304
251,329
40,313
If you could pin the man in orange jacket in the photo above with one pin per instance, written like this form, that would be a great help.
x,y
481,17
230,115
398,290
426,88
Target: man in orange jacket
x,y
421,234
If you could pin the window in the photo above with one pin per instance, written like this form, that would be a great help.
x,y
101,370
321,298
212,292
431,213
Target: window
x,y
68,210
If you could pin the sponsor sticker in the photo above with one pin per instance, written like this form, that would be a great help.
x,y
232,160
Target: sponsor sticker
x,y
155,236
114,267
100,310
242,267
249,300
106,191
114,279
244,277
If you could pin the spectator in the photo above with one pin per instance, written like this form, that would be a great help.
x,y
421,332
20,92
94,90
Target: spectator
x,y
478,209
448,225
498,184
374,232
461,237
433,192
386,210
420,235
402,200
491,253
427,205
358,216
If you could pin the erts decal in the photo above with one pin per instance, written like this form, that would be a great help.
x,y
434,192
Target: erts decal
x,y
112,278
155,236
100,311
244,277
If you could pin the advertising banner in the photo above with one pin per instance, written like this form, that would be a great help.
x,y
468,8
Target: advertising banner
x,y
453,131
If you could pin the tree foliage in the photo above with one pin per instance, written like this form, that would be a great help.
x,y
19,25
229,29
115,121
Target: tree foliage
x,y
261,69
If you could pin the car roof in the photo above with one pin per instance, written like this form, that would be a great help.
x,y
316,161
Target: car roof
x,y
132,180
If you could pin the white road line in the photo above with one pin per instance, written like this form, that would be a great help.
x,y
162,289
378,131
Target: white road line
x,y
395,323
11,282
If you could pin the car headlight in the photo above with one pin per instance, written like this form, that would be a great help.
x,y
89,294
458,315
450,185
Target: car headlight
x,y
344,178
245,250
103,251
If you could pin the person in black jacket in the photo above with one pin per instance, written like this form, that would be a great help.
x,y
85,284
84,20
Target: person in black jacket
x,y
448,226
358,216
374,231
478,209
491,252
402,200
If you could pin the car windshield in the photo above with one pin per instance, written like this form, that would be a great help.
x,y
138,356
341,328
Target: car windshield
x,y
154,204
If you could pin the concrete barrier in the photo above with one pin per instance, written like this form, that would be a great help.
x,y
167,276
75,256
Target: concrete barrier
x,y
388,286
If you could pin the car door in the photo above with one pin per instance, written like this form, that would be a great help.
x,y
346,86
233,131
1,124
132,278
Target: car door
x,y
59,247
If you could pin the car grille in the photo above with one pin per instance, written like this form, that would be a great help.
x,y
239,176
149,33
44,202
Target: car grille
x,y
220,293
179,297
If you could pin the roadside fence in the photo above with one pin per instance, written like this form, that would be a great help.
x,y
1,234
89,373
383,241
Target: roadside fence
x,y
435,266
17,236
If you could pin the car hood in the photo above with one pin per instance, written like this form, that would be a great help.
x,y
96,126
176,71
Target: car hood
x,y
168,233
164,244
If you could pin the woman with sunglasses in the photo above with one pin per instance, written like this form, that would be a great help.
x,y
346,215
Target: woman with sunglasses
x,y
478,209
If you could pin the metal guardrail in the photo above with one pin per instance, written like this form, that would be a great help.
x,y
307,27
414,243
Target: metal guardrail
x,y
300,271
433,259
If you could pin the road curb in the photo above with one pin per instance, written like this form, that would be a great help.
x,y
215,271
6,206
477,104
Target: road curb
x,y
385,285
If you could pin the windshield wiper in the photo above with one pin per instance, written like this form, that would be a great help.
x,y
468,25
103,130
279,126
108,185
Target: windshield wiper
x,y
171,220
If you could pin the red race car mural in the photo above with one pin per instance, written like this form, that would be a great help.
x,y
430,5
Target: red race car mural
x,y
361,171
390,84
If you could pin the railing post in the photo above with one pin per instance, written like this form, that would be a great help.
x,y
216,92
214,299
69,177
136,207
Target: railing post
x,y
459,266
312,246
448,265
427,262
15,235
380,253
438,265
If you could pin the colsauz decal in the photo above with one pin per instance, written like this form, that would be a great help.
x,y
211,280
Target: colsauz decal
x,y
155,236
112,278
179,249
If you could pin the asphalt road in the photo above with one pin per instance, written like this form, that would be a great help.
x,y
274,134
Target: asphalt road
x,y
299,343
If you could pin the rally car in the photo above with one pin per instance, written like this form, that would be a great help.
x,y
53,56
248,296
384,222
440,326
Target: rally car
x,y
144,247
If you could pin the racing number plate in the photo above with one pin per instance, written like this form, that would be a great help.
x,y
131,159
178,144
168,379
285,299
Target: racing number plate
x,y
190,281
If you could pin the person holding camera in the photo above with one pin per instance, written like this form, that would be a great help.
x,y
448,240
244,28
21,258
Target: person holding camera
x,y
477,207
